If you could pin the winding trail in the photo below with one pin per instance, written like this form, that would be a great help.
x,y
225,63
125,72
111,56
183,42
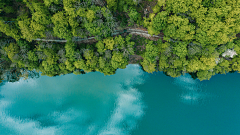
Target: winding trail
x,y
116,32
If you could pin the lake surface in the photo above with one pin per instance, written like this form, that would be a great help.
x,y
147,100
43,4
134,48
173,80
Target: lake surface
x,y
131,102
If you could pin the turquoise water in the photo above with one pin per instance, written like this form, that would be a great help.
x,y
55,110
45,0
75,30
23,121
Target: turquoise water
x,y
130,102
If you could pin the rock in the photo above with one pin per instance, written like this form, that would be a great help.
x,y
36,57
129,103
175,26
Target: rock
x,y
229,52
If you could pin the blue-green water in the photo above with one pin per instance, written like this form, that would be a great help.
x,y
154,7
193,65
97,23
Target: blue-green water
x,y
129,102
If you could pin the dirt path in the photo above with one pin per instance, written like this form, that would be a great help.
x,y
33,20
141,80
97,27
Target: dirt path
x,y
130,30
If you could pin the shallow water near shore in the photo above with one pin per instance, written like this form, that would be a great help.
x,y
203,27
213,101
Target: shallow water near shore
x,y
131,102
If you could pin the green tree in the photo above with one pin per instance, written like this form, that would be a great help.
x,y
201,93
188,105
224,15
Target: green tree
x,y
49,2
160,21
179,28
12,50
151,52
208,62
61,26
194,65
90,15
10,30
100,47
204,75
70,48
118,61
180,49
32,56
69,65
148,66
109,43
119,42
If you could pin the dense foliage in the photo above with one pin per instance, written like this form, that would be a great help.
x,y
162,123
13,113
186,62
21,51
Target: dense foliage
x,y
197,35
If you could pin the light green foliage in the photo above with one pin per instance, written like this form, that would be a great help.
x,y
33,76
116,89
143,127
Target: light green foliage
x,y
204,75
214,24
133,14
88,54
62,66
27,32
32,56
194,50
148,66
51,56
119,42
69,65
35,27
237,46
100,47
49,66
12,50
48,2
61,26
173,72
208,50
129,44
146,21
194,65
72,21
163,62
152,31
112,4
212,34
181,6
180,49
179,28
101,62
9,30
81,12
90,15
77,72
93,29
118,61
160,21
223,67
230,45
70,48
48,69
105,67
33,65
219,25
80,64
208,62
205,63
222,48
68,6
178,63
156,8
151,52
38,29
92,63
42,16
162,46
236,64
161,2
109,43
200,30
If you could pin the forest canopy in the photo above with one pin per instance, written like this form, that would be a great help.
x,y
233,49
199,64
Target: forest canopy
x,y
200,36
